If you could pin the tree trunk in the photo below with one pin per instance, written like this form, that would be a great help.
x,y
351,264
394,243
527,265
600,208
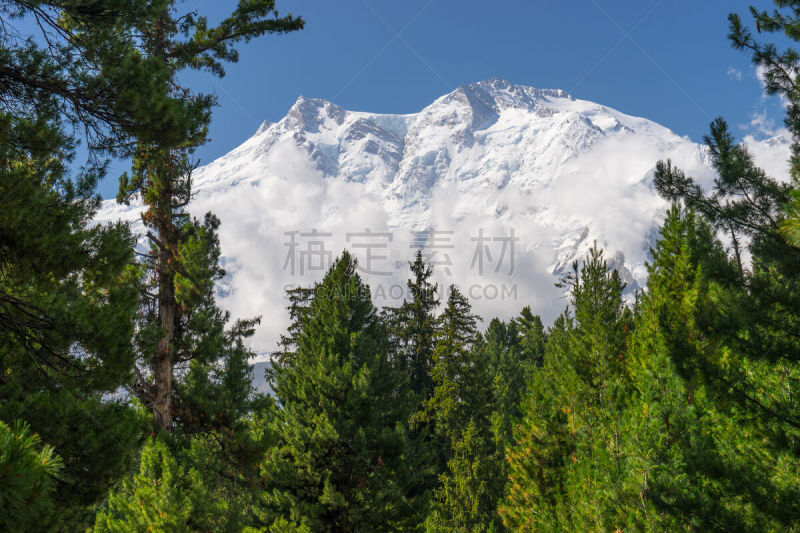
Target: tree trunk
x,y
736,250
162,398
164,360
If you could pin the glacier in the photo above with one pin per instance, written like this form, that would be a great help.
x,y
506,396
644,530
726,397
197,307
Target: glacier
x,y
501,186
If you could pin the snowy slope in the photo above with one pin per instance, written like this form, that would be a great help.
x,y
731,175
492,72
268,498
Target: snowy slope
x,y
485,166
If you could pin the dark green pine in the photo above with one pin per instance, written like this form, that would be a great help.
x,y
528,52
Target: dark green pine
x,y
415,326
341,462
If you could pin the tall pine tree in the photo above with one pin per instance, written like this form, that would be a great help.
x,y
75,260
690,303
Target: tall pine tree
x,y
566,458
415,325
341,462
459,414
182,325
692,460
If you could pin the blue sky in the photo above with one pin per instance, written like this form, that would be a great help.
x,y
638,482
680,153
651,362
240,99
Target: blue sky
x,y
666,60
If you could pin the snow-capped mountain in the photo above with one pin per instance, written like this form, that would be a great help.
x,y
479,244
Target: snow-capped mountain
x,y
502,186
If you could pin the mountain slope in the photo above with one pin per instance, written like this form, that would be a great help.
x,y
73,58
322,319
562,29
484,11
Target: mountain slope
x,y
502,185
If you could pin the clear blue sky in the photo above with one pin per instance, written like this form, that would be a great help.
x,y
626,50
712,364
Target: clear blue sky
x,y
666,60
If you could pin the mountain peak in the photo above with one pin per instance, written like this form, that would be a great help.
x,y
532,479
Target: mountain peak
x,y
264,126
505,94
308,113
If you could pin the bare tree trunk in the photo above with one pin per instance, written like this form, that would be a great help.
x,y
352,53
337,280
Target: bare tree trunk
x,y
162,400
164,360
737,251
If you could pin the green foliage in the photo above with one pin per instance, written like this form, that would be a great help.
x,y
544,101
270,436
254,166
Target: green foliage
x,y
742,351
96,441
682,416
510,366
67,311
457,417
299,302
533,337
791,225
459,378
88,72
415,325
175,489
27,480
341,461
467,499
567,457
695,458
781,78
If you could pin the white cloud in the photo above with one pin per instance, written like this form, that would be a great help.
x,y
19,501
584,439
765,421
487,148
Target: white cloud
x,y
763,122
734,73
772,155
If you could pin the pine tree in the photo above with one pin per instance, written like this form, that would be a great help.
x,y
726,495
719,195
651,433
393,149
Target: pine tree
x,y
542,441
457,380
509,369
412,330
28,479
518,350
470,488
172,492
67,309
85,68
192,369
741,354
745,355
341,462
182,326
791,226
567,455
457,376
459,414
687,450
415,325
780,77
299,302
533,337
